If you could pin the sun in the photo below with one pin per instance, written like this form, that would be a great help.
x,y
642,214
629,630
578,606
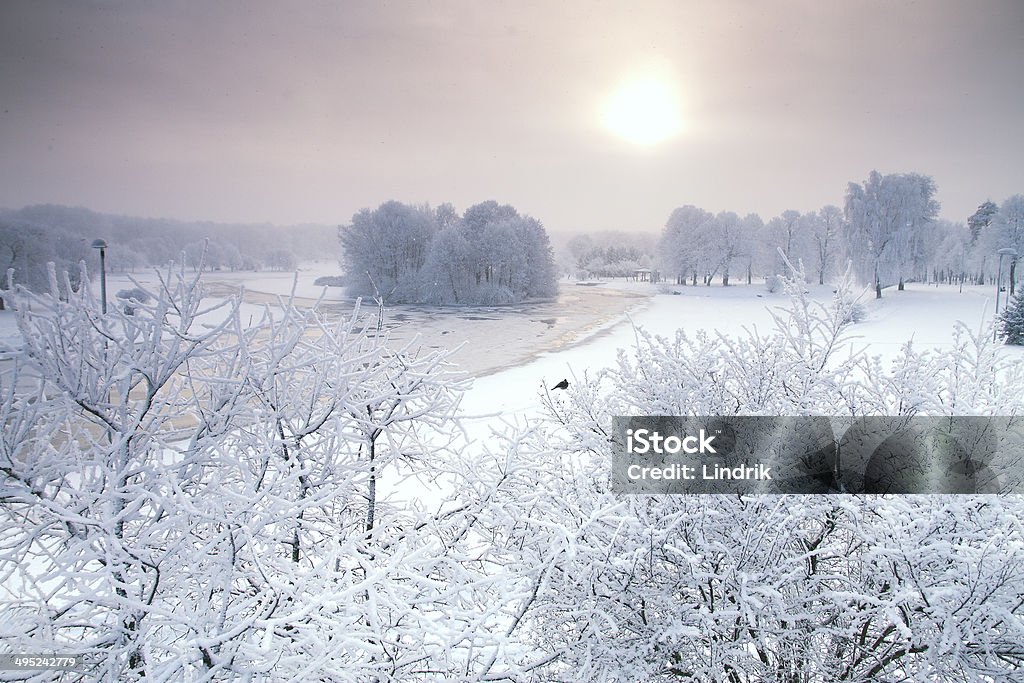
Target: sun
x,y
644,111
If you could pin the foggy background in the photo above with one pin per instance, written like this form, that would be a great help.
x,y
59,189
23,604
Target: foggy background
x,y
253,111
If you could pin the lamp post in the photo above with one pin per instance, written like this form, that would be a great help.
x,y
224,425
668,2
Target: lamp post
x,y
102,246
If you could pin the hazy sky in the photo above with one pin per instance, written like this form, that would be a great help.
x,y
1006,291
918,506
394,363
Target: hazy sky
x,y
309,111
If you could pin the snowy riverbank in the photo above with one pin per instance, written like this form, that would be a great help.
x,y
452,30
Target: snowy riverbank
x,y
924,315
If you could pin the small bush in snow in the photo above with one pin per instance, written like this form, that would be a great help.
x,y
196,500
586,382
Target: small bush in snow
x,y
1011,320
853,310
494,295
774,283
135,294
330,281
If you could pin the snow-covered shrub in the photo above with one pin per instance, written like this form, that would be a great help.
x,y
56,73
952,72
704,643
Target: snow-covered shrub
x,y
846,300
774,283
330,281
134,294
1011,320
493,295
769,588
857,313
189,502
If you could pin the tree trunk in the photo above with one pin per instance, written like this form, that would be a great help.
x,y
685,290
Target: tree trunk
x,y
371,497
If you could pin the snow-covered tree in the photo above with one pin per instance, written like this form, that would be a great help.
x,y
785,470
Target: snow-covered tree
x,y
885,217
1006,231
384,250
124,259
611,253
280,259
448,275
824,228
725,243
752,246
682,247
88,478
580,248
786,238
951,251
446,216
504,261
26,248
491,255
511,252
539,278
980,219
1011,321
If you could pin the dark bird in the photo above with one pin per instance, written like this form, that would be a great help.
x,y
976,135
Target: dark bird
x,y
564,384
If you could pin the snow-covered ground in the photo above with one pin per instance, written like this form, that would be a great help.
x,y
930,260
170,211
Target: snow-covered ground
x,y
923,314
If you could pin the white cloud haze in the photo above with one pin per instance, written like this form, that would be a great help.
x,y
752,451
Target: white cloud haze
x,y
247,111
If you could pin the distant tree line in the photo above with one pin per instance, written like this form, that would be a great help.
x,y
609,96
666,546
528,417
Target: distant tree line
x,y
887,229
417,254
36,235
612,253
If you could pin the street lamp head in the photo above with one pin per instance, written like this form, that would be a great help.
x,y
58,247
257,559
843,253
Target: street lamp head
x,y
99,244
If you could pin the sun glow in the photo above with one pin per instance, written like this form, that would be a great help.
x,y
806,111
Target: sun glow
x,y
644,112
